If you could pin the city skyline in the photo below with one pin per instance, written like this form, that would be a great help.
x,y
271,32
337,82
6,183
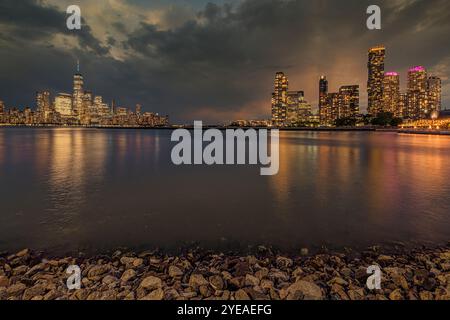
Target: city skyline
x,y
213,62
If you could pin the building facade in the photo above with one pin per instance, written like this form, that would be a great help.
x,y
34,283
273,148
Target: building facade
x,y
391,93
323,98
417,93
434,94
279,99
375,79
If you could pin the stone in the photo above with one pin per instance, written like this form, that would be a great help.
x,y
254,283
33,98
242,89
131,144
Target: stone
x,y
37,290
4,281
283,262
396,295
151,283
19,270
356,294
23,253
197,280
128,275
237,283
309,290
157,294
425,295
109,280
267,284
241,295
98,270
251,280
175,272
16,289
339,281
217,283
261,274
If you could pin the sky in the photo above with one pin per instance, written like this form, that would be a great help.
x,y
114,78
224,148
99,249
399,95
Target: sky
x,y
212,60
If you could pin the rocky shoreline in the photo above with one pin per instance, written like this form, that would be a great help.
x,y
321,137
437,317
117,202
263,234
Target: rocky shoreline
x,y
411,274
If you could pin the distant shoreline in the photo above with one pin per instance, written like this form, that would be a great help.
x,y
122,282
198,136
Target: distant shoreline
x,y
174,127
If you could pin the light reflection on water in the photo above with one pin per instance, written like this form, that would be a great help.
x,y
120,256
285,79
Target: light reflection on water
x,y
65,189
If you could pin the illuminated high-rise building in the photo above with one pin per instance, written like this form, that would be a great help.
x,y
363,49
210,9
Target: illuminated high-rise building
x,y
2,112
323,92
293,100
402,110
63,104
279,99
78,94
332,108
43,106
86,108
391,93
434,94
417,93
348,105
375,81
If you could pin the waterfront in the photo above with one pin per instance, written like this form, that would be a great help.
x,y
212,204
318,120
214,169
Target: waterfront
x,y
65,190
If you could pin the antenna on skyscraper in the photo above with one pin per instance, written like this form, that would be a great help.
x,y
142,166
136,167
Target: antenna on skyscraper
x,y
78,66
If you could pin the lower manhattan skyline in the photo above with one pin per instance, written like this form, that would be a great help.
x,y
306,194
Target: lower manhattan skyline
x,y
212,61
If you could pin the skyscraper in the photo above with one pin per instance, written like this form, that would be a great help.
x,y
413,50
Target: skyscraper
x,y
434,94
375,81
43,105
391,93
2,112
348,105
279,99
403,106
63,104
78,94
332,113
323,92
417,93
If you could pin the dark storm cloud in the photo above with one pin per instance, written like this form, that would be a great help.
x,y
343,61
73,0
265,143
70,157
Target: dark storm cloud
x,y
220,63
30,20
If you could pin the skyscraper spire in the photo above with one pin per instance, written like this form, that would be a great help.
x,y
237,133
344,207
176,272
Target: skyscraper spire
x,y
78,66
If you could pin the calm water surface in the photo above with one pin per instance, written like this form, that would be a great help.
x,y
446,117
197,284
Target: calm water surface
x,y
70,189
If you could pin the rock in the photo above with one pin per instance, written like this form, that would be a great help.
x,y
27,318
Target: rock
x,y
23,253
356,294
4,281
205,291
128,275
175,272
425,295
19,270
242,269
109,280
241,295
98,270
251,280
37,290
151,283
217,283
385,260
396,295
16,289
309,290
261,274
338,281
267,284
283,262
237,283
197,280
